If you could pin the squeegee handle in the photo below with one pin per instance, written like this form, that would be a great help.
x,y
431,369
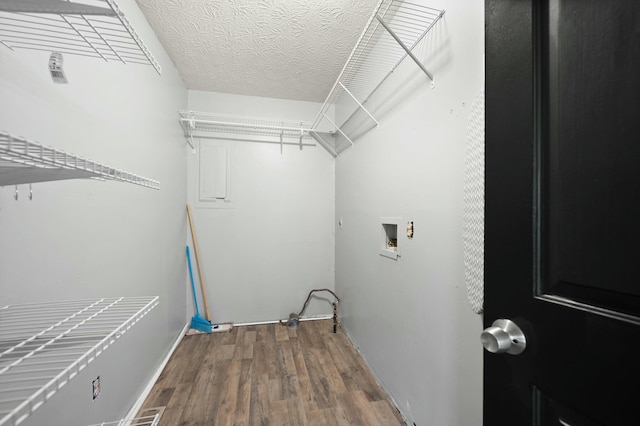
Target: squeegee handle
x,y
193,286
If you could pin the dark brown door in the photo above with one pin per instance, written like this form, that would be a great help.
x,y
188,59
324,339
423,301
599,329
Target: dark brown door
x,y
562,247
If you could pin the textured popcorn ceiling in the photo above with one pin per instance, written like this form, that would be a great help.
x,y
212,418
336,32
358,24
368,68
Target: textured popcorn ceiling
x,y
290,49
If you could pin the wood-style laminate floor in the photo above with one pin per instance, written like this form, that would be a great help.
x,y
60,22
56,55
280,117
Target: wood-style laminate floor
x,y
269,375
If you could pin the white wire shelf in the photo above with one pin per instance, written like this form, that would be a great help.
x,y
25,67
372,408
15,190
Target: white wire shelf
x,y
93,28
45,345
23,161
139,421
393,31
295,132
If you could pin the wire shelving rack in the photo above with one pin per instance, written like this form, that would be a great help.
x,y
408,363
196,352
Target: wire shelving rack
x,y
45,345
93,28
23,161
393,31
288,132
98,28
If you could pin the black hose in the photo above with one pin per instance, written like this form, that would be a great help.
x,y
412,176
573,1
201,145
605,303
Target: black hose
x,y
309,297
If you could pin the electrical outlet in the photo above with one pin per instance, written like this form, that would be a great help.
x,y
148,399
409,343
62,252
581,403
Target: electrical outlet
x,y
95,386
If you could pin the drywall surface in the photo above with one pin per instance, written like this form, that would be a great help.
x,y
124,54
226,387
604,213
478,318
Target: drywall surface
x,y
262,256
410,317
82,239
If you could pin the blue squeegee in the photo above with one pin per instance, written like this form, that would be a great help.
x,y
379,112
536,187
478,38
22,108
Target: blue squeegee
x,y
197,322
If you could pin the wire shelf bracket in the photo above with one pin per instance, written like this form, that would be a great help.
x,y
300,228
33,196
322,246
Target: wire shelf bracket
x,y
283,132
393,31
45,345
23,161
93,28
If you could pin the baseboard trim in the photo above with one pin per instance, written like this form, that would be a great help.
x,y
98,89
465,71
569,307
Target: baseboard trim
x,y
147,390
375,375
314,318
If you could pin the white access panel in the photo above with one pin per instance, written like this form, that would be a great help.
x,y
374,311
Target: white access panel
x,y
213,173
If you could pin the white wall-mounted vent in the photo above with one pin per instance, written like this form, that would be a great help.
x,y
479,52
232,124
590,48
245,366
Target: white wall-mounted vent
x,y
56,69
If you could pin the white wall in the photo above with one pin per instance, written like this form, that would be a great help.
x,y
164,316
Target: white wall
x,y
410,317
261,257
83,239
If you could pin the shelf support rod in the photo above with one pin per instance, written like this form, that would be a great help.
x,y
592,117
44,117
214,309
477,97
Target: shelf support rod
x,y
244,125
406,49
301,135
324,143
190,127
359,104
338,129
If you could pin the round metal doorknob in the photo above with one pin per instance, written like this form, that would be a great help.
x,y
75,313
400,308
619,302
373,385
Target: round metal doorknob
x,y
503,336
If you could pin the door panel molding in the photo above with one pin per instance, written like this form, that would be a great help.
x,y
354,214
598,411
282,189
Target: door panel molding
x,y
559,273
548,410
585,307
